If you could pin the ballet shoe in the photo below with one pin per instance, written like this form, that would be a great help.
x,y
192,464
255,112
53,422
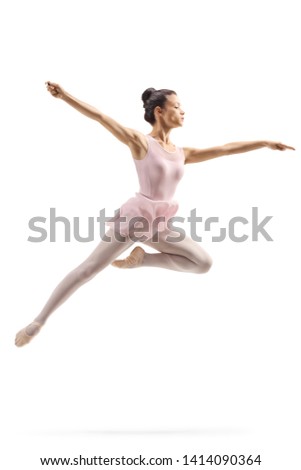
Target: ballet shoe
x,y
134,260
22,337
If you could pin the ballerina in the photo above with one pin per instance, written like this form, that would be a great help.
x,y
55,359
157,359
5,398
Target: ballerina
x,y
146,216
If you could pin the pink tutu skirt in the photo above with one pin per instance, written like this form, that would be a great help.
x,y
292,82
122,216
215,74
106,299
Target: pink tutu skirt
x,y
141,217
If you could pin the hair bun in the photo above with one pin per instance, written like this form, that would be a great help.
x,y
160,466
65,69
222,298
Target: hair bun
x,y
147,94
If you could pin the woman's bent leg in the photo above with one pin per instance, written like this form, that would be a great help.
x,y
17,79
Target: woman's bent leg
x,y
185,255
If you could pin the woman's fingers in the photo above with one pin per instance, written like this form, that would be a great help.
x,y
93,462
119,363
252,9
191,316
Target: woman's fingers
x,y
51,84
280,146
283,147
53,88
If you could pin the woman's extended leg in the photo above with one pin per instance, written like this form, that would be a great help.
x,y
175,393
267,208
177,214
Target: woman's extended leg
x,y
102,256
185,255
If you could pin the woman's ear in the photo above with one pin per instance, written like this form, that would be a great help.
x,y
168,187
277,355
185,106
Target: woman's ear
x,y
157,111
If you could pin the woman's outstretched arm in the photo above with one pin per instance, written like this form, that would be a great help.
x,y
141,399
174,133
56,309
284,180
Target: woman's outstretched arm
x,y
134,139
193,155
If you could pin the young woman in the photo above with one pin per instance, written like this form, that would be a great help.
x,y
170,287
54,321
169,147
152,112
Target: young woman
x,y
146,216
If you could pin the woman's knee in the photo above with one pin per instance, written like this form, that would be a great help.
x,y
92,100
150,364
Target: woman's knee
x,y
205,265
85,272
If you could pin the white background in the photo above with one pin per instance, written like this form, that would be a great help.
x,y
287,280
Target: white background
x,y
151,361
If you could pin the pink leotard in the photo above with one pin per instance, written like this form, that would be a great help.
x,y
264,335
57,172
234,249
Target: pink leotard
x,y
159,173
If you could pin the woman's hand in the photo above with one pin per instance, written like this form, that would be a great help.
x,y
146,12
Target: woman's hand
x,y
55,89
278,146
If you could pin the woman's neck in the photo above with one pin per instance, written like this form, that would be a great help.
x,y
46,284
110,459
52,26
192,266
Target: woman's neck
x,y
161,134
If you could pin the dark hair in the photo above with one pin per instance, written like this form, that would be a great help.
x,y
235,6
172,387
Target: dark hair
x,y
151,99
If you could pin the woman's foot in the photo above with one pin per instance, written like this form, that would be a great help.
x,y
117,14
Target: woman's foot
x,y
25,335
134,260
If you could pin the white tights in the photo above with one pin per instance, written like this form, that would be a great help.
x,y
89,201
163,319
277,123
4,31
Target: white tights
x,y
185,256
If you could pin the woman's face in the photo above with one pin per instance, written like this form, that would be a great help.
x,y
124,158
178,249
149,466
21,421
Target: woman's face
x,y
172,115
